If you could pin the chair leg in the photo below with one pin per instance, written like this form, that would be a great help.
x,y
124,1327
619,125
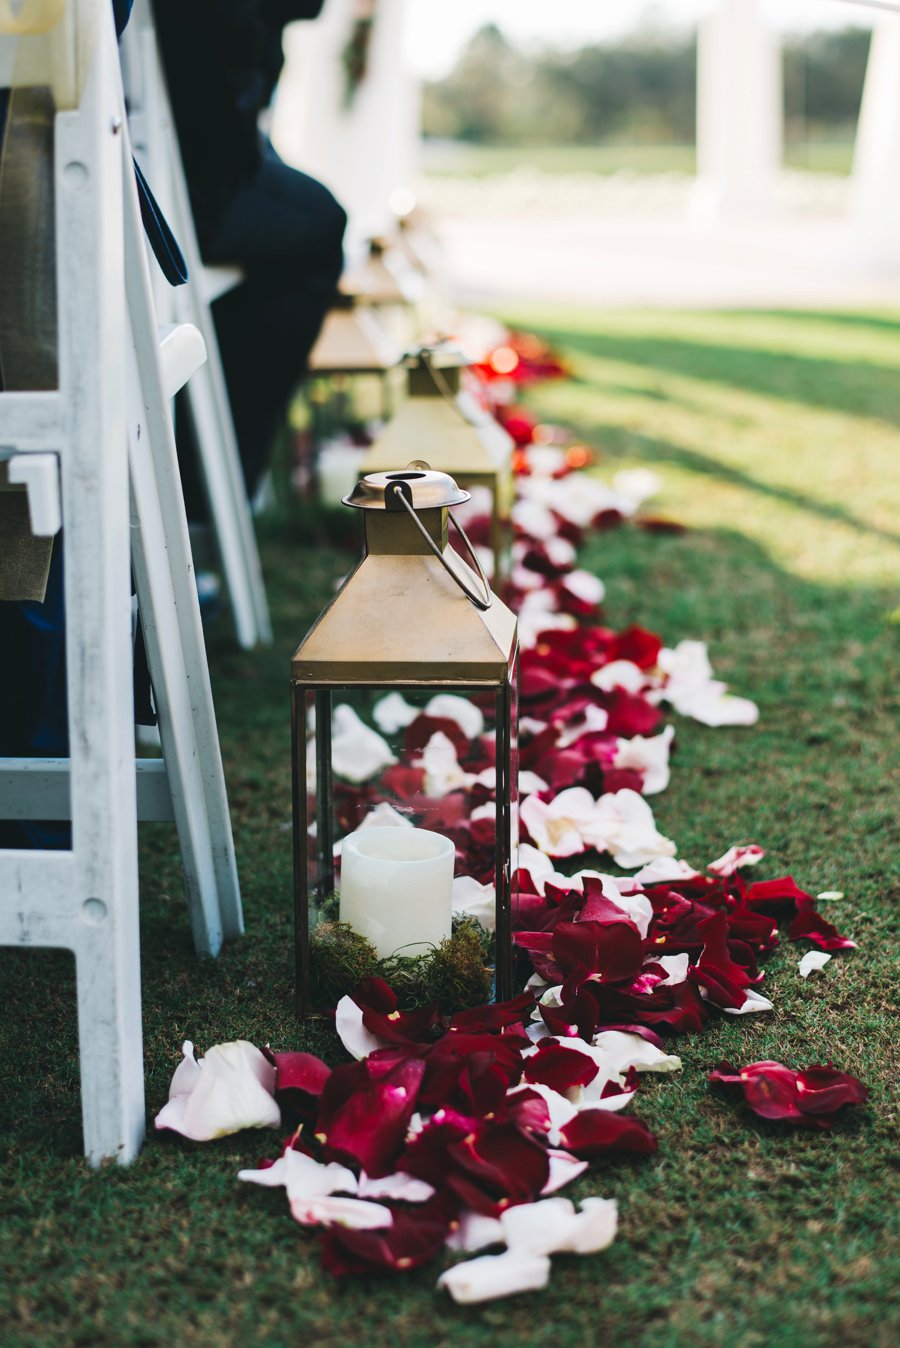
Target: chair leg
x,y
108,978
230,511
170,616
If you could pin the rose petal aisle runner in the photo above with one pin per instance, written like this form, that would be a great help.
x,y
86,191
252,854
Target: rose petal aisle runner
x,y
453,1132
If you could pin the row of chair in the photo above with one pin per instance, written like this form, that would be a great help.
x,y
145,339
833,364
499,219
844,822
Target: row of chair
x,y
97,453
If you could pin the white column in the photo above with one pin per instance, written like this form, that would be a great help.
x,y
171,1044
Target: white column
x,y
365,151
875,185
739,111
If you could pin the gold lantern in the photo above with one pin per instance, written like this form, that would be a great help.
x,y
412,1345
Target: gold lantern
x,y
441,424
353,341
413,657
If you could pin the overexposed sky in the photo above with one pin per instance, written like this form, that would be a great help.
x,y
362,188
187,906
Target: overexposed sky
x,y
437,30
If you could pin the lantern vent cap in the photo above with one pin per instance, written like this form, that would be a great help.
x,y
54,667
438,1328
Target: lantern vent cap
x,y
439,355
423,488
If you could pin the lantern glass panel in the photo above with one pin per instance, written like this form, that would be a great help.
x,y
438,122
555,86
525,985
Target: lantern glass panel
x,y
406,829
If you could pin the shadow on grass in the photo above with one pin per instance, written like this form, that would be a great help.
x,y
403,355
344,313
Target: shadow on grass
x,y
854,387
884,322
651,450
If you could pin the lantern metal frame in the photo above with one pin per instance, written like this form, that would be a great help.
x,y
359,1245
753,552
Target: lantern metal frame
x,y
411,617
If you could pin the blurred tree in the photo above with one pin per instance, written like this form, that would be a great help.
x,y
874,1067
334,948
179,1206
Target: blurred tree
x,y
642,89
823,80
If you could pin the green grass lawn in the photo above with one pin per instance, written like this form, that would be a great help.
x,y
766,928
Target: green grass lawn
x,y
481,161
777,438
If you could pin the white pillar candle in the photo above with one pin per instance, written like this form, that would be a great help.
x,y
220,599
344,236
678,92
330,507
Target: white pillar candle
x,y
396,885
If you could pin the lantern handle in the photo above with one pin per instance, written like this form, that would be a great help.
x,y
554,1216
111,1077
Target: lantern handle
x,y
482,602
443,388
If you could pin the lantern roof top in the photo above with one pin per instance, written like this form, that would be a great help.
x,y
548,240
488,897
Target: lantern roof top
x,y
353,338
441,432
402,620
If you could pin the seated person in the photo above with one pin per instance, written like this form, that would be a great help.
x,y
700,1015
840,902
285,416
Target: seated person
x,y
222,59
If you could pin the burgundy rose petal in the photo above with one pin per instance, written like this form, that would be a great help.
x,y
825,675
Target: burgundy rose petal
x,y
613,951
560,1068
495,1166
723,978
368,1123
449,1058
416,1235
425,1155
636,644
780,895
300,1072
494,1018
823,1090
809,1097
378,1003
811,926
598,1132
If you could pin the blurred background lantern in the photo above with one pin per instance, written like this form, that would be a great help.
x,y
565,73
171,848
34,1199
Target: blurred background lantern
x,y
443,425
404,758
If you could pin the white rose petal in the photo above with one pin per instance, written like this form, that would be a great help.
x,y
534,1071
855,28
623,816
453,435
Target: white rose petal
x,y
557,827
584,586
623,674
231,1088
638,483
676,967
750,854
813,960
593,722
400,1186
450,707
471,899
529,782
620,1050
554,1227
686,665
357,751
385,816
306,1177
649,755
357,1040
474,1232
537,864
352,1212
564,1167
303,1177
393,713
623,825
442,771
755,1001
713,707
661,869
495,1275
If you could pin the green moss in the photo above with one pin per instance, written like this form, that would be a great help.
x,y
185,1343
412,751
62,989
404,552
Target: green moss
x,y
454,974
339,960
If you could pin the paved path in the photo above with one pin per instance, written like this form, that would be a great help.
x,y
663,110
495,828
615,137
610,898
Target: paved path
x,y
641,247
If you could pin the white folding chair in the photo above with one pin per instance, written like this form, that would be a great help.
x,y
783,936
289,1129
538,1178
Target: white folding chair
x,y
156,146
117,373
